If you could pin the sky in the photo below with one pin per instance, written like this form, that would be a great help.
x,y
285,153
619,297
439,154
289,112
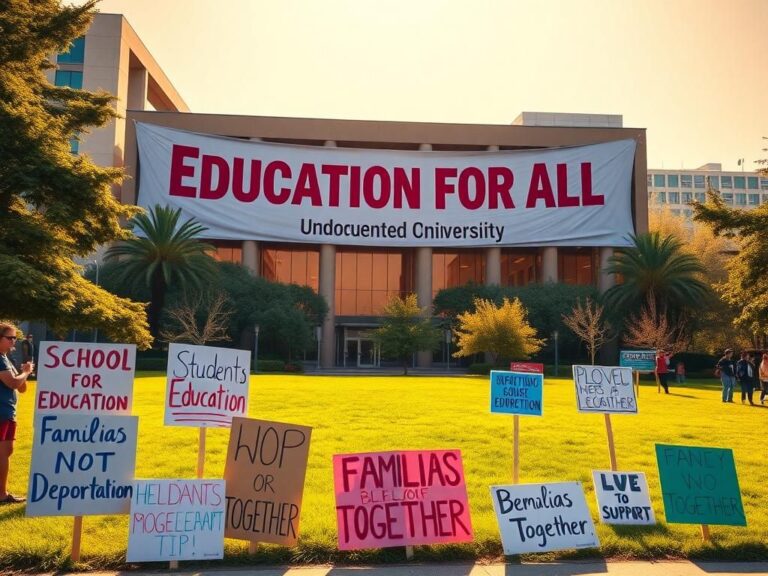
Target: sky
x,y
692,72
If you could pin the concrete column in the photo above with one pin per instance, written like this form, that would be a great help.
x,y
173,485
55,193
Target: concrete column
x,y
138,81
327,288
424,284
604,280
549,264
250,256
327,285
493,266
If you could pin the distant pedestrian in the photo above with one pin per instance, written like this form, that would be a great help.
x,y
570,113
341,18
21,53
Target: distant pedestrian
x,y
662,369
745,374
727,369
763,373
680,372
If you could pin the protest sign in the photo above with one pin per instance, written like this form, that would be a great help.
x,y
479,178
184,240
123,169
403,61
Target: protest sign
x,y
699,485
176,520
529,367
403,498
77,378
265,468
604,389
638,360
543,517
207,386
516,393
82,465
623,497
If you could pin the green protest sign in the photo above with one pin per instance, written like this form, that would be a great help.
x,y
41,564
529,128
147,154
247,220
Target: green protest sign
x,y
699,485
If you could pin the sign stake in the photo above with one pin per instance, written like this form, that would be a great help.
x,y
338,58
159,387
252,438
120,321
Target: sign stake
x,y
409,552
516,450
253,547
77,532
705,532
611,446
201,453
637,383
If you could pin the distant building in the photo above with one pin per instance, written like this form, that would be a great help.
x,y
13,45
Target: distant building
x,y
676,189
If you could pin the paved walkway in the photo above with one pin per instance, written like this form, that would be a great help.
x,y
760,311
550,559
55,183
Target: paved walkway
x,y
557,569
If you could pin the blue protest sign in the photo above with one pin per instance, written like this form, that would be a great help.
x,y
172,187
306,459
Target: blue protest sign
x,y
639,360
516,392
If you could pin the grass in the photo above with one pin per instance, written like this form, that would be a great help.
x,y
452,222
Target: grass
x,y
364,414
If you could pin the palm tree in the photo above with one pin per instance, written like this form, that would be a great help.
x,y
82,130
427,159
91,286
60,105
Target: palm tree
x,y
656,267
163,253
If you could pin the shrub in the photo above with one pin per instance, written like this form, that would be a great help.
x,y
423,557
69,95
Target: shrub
x,y
271,366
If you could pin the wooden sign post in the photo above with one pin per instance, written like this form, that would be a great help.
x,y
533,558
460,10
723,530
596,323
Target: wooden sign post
x,y
611,446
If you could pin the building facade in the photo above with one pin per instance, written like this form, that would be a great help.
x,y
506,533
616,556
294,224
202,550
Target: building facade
x,y
676,189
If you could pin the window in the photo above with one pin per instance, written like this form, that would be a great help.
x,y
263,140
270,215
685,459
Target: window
x,y
659,181
367,279
673,181
700,196
764,183
450,269
698,181
754,199
674,197
76,53
741,199
687,197
714,182
686,181
739,182
291,266
727,182
69,78
728,197
518,267
576,266
227,250
661,197
74,145
752,182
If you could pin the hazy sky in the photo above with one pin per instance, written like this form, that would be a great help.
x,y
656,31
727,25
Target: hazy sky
x,y
693,72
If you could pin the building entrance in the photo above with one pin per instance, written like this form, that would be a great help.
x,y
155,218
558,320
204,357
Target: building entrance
x,y
360,351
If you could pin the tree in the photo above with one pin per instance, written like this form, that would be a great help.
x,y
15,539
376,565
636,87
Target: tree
x,y
166,253
199,319
54,206
503,331
589,324
405,330
656,266
651,328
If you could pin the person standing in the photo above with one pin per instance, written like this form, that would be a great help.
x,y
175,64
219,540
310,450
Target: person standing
x,y
727,368
763,374
11,383
662,369
680,372
745,374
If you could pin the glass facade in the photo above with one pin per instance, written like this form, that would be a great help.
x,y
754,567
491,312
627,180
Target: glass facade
x,y
367,279
577,266
686,181
227,250
71,78
752,182
519,267
290,265
754,199
450,269
739,182
698,181
727,182
673,180
75,54
674,197
659,181
714,182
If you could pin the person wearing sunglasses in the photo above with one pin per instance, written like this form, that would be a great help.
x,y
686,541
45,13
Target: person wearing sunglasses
x,y
11,383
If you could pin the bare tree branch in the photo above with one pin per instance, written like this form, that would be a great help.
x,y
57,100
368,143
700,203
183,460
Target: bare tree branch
x,y
588,323
213,328
652,329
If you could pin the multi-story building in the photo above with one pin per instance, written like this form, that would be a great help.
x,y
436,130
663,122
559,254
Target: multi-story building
x,y
676,189
556,228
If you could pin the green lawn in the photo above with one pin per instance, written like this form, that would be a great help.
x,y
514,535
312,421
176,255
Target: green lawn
x,y
363,414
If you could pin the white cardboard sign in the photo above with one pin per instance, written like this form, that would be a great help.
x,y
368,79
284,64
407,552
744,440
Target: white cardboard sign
x,y
543,517
623,497
207,386
604,389
82,465
176,520
78,378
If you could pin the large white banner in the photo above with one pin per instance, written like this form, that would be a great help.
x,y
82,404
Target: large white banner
x,y
577,196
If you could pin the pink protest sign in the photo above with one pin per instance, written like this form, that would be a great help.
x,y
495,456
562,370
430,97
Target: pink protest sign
x,y
528,367
404,498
